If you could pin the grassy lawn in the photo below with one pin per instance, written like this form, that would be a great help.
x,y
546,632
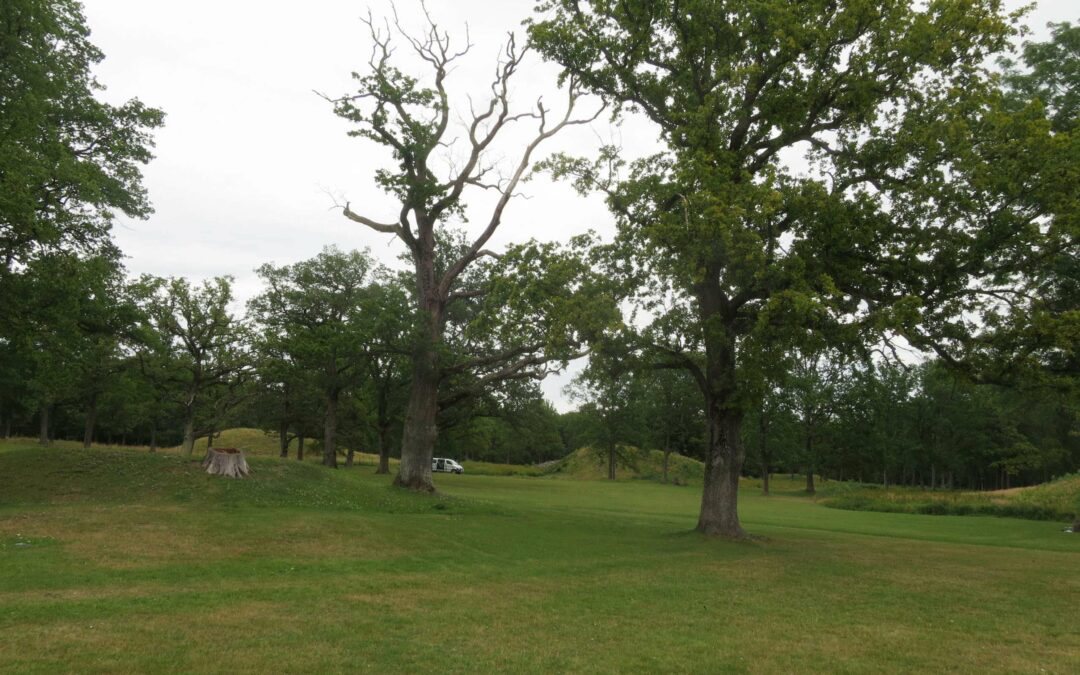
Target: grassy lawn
x,y
124,562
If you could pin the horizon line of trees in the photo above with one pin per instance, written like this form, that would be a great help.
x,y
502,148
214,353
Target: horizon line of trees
x,y
936,209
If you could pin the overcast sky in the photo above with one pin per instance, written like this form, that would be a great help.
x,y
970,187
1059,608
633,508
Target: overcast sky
x,y
250,156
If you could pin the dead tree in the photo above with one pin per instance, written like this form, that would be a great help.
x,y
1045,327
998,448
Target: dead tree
x,y
393,109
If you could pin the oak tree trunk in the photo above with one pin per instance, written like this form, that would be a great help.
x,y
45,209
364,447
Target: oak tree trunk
x,y
384,452
763,450
283,439
723,465
330,430
421,414
724,452
300,446
349,457
43,432
420,432
188,446
91,418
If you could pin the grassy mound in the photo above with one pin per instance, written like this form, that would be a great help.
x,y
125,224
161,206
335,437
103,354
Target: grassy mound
x,y
493,469
259,443
631,464
1057,500
34,475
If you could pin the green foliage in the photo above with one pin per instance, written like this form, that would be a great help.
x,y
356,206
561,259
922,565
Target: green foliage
x,y
924,206
632,464
194,351
68,161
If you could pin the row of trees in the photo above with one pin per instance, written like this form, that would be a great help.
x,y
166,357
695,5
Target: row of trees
x,y
835,417
322,351
832,179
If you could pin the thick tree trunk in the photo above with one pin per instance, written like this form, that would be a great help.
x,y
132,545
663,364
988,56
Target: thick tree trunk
x,y
421,428
330,430
188,446
421,414
384,452
724,452
300,446
723,464
91,418
349,457
283,439
810,459
210,440
43,432
763,450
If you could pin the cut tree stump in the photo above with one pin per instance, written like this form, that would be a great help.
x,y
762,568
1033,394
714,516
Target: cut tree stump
x,y
228,462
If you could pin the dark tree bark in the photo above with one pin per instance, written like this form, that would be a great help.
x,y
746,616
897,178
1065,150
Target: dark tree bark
x,y
330,429
43,433
300,446
421,425
91,418
283,439
188,446
349,457
724,452
763,451
384,451
723,465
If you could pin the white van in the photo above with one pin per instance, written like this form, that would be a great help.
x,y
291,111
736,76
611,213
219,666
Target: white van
x,y
446,466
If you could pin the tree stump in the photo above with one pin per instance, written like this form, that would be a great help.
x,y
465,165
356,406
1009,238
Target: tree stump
x,y
228,462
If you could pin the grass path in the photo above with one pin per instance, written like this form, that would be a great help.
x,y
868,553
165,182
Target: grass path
x,y
146,567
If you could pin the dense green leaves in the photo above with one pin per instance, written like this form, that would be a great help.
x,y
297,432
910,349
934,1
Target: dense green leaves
x,y
68,161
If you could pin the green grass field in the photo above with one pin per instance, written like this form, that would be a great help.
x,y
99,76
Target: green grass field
x,y
119,561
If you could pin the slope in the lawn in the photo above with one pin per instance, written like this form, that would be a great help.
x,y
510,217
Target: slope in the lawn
x,y
35,475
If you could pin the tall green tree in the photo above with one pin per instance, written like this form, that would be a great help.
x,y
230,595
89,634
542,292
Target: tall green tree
x,y
68,161
319,313
913,214
195,351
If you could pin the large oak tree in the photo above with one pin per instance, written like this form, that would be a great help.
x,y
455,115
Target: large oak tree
x,y
921,205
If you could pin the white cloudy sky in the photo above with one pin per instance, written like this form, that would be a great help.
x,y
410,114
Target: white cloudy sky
x,y
249,155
